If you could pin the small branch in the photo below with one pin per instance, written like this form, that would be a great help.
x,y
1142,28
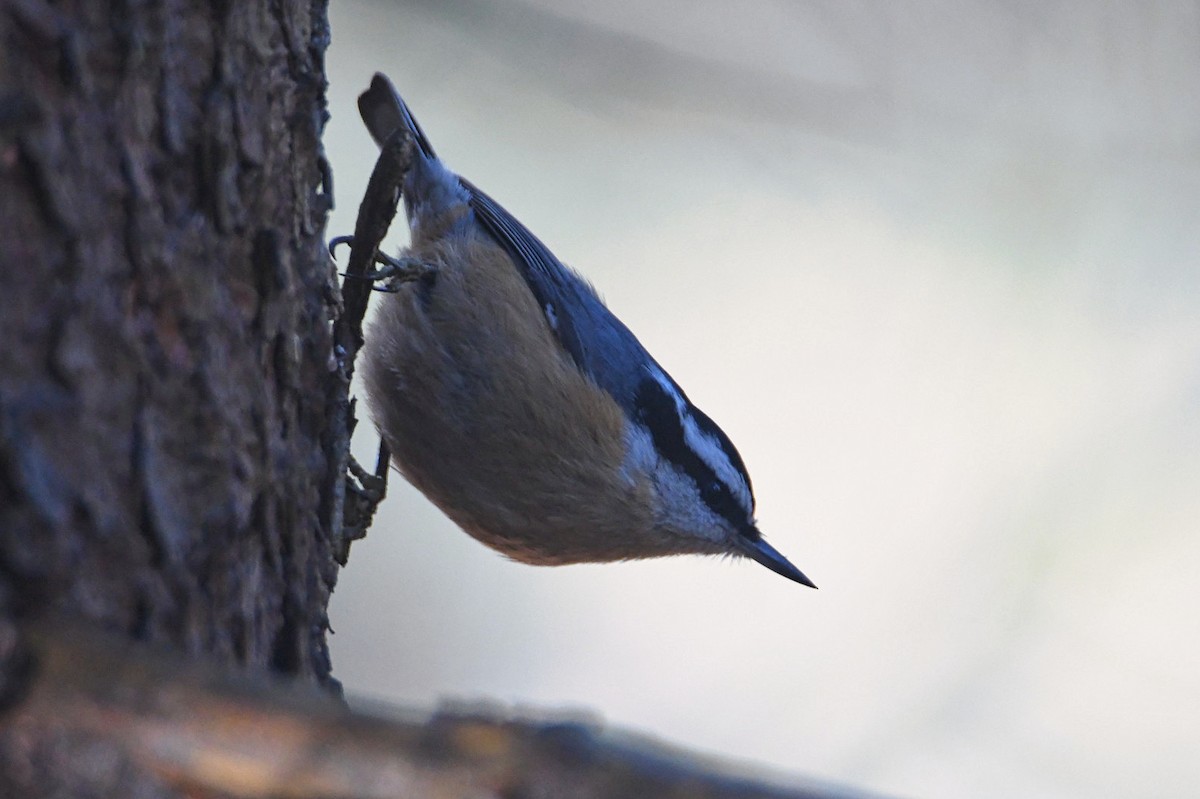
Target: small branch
x,y
375,213
194,724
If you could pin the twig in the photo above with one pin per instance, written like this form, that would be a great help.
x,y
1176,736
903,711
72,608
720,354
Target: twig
x,y
375,214
364,491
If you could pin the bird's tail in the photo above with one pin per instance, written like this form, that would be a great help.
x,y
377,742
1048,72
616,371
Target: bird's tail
x,y
383,111
430,190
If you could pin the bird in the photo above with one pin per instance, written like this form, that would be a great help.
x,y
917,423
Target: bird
x,y
521,406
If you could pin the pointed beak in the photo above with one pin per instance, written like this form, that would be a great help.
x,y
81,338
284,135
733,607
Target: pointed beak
x,y
759,550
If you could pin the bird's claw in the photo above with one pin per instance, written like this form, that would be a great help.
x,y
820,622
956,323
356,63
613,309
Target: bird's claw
x,y
395,271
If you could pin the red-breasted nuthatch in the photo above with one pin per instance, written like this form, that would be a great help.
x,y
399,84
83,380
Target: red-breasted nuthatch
x,y
522,407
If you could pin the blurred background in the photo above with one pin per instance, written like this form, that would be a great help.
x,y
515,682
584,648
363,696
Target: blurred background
x,y
933,267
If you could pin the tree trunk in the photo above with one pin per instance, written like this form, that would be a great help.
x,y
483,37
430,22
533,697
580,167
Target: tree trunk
x,y
167,465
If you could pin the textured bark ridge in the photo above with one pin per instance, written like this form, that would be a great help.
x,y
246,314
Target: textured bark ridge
x,y
166,372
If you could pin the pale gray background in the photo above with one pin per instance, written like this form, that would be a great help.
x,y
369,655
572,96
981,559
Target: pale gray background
x,y
933,267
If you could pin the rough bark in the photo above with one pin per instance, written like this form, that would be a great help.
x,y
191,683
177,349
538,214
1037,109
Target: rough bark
x,y
167,373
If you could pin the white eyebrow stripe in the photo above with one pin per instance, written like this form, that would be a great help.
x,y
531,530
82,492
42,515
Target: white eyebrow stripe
x,y
669,388
707,447
711,452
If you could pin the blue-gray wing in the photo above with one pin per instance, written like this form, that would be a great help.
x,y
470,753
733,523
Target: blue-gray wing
x,y
595,339
611,355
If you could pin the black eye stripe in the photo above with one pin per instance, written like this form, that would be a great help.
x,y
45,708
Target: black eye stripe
x,y
708,426
656,409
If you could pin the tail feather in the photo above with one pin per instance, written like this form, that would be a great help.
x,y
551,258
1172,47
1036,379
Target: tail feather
x,y
383,111
430,190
